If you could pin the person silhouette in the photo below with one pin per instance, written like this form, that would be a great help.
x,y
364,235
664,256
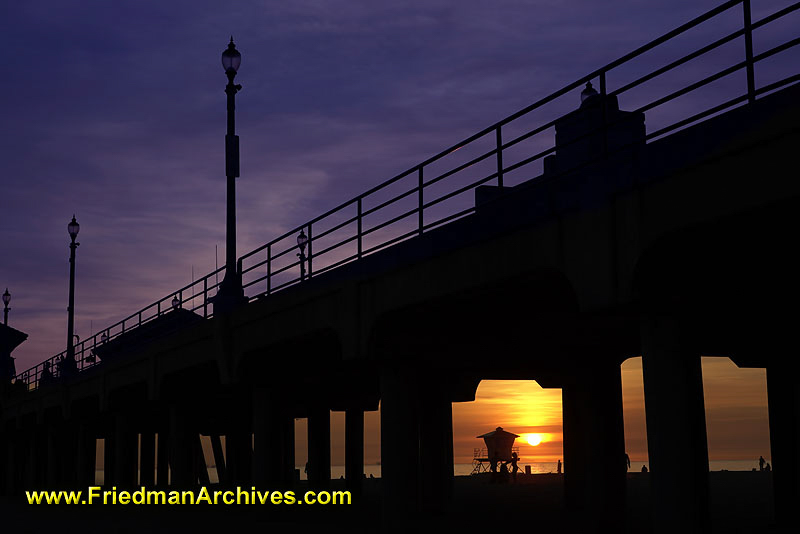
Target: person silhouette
x,y
558,466
504,472
644,468
47,374
627,461
761,462
514,466
767,467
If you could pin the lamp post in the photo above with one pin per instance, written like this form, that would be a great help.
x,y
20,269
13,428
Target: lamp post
x,y
302,240
6,300
230,292
68,364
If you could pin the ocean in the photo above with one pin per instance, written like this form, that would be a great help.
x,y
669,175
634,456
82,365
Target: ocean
x,y
337,471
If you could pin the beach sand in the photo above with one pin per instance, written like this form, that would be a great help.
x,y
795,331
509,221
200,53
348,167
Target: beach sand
x,y
740,502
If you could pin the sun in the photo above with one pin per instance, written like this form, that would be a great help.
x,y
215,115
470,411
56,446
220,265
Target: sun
x,y
534,439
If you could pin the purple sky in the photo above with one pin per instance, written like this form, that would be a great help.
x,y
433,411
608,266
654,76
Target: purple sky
x,y
115,111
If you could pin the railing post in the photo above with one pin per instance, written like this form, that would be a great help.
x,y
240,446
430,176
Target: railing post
x,y
748,50
604,111
499,136
358,223
205,297
269,269
421,204
140,318
310,253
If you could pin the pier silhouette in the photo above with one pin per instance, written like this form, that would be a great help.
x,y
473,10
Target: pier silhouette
x,y
572,244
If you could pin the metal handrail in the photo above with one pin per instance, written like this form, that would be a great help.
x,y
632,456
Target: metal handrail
x,y
282,270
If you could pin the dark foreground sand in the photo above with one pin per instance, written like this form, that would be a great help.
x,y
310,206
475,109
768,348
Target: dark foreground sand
x,y
741,502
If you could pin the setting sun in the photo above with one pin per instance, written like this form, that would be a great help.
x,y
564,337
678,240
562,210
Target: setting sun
x,y
534,439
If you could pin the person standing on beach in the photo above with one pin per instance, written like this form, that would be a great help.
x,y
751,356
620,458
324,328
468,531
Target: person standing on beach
x,y
558,467
514,466
761,463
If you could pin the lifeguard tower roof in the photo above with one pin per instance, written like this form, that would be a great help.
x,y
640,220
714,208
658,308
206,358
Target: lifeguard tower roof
x,y
499,444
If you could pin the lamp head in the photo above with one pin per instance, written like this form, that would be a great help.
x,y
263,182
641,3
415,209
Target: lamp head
x,y
73,228
231,58
302,240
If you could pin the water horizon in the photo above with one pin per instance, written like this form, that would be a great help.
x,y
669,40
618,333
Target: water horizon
x,y
465,469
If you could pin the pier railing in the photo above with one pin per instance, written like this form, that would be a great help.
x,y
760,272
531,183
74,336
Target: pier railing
x,y
441,189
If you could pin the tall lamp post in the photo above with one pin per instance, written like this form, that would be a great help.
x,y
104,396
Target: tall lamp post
x,y
68,364
6,300
230,292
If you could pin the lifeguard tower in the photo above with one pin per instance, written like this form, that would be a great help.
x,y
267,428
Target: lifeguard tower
x,y
499,448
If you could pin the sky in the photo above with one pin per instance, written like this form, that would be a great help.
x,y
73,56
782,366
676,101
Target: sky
x,y
115,112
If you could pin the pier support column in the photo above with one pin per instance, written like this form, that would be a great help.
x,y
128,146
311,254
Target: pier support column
x,y
354,449
319,446
200,474
239,453
219,459
162,460
288,449
51,463
12,457
783,395
126,449
400,461
435,449
147,459
676,426
268,439
86,460
182,449
109,455
7,459
594,448
67,453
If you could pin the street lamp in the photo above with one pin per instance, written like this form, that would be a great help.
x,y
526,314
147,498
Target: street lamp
x,y
230,292
302,240
68,365
6,300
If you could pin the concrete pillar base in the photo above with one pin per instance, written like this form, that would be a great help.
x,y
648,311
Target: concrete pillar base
x,y
182,449
147,455
354,449
594,449
319,447
783,394
126,451
400,463
676,426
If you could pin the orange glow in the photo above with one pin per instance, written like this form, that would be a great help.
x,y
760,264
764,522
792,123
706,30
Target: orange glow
x,y
519,406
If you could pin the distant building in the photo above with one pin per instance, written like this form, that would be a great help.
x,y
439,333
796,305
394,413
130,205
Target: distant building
x,y
10,339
